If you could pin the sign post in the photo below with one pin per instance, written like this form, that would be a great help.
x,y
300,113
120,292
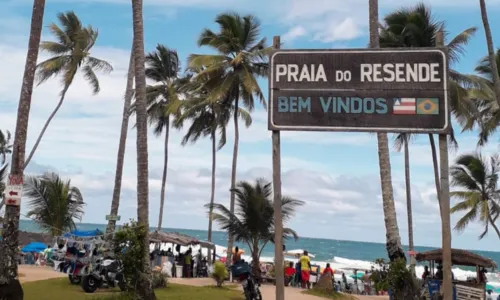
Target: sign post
x,y
14,191
112,218
363,90
356,90
445,204
278,226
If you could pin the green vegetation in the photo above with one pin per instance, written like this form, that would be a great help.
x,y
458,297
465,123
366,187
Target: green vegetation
x,y
253,221
61,289
54,203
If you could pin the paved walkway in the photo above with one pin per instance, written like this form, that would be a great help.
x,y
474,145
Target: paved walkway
x,y
268,291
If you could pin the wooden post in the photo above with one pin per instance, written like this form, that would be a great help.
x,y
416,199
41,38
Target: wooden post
x,y
278,237
445,203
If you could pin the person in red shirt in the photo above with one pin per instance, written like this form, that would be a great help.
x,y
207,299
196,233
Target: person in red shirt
x,y
289,273
328,270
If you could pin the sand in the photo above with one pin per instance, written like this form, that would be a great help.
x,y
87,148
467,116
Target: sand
x,y
268,291
35,273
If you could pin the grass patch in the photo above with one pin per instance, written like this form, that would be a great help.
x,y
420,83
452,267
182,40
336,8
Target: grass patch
x,y
326,295
62,289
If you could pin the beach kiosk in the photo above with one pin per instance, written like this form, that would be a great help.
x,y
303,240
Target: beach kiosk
x,y
178,240
469,289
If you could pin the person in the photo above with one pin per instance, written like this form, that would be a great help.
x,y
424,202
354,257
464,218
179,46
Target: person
x,y
289,273
328,270
344,281
237,255
367,283
305,272
298,268
187,263
426,273
439,273
482,276
489,296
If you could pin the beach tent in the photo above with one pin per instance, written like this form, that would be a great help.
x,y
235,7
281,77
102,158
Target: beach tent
x,y
297,252
34,247
83,233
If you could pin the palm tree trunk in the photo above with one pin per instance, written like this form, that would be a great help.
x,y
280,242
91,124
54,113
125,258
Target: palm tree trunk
x,y
436,169
491,49
233,172
145,287
393,243
408,203
63,95
120,158
255,259
9,282
492,222
164,178
212,193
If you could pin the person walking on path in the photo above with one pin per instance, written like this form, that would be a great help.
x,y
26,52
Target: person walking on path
x,y
305,264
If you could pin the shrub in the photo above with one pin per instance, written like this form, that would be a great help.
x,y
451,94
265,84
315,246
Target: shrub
x,y
130,249
159,280
220,273
396,278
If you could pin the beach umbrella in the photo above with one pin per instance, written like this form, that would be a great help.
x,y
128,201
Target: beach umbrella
x,y
358,275
298,252
34,247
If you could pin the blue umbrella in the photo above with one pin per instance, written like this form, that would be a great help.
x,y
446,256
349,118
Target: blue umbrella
x,y
34,247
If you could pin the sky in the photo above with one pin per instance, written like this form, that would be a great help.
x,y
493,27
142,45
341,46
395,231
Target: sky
x,y
336,174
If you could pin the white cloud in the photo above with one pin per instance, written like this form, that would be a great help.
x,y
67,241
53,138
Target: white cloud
x,y
294,33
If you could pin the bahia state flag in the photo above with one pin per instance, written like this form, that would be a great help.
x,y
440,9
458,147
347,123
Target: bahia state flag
x,y
404,106
427,106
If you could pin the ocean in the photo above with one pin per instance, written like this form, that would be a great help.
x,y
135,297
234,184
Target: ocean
x,y
336,251
323,249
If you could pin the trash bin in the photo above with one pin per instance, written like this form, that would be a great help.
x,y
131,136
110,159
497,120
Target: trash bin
x,y
178,271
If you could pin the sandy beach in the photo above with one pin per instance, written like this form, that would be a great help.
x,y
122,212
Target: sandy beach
x,y
35,273
268,291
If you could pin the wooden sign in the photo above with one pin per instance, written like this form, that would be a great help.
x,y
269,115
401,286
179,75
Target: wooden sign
x,y
384,90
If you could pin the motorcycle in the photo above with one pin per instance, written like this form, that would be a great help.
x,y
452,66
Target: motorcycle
x,y
251,287
107,273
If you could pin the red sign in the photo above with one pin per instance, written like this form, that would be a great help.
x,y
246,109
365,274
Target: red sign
x,y
11,201
16,179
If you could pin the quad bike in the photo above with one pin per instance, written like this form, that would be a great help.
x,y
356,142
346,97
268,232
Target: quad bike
x,y
107,273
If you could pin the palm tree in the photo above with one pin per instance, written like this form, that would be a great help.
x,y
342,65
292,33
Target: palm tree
x,y
145,286
402,141
9,244
206,119
232,72
416,27
393,239
5,145
477,179
253,221
491,50
70,53
53,202
162,67
120,158
487,105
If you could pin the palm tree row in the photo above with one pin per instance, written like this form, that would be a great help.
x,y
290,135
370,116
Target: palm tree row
x,y
224,85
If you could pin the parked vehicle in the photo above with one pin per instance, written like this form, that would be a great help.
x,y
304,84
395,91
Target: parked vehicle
x,y
251,287
107,273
